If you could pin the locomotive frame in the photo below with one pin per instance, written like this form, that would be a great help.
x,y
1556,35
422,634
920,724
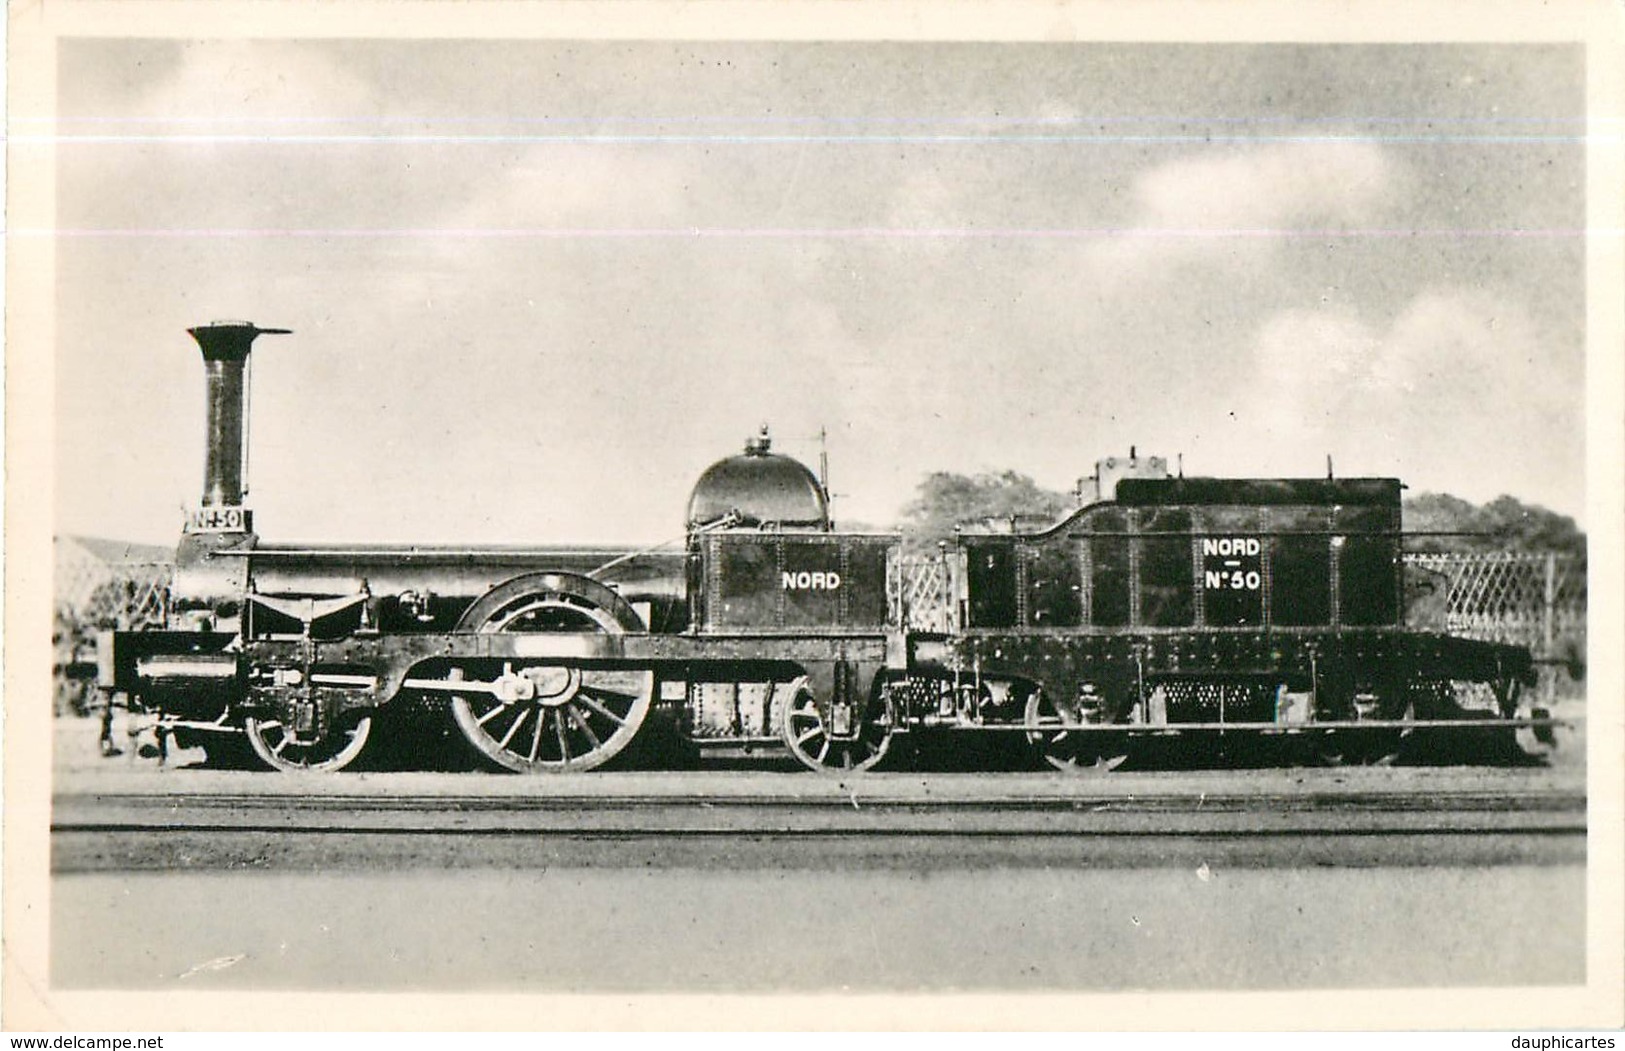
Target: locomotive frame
x,y
1165,606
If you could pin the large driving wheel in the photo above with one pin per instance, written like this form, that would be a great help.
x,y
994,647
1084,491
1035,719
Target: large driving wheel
x,y
812,743
279,749
1053,731
563,714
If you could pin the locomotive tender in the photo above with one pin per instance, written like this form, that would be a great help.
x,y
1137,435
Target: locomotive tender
x,y
1162,606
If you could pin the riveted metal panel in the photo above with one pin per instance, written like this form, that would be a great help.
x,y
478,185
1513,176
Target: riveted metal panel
x,y
816,581
747,592
1232,566
863,580
1053,583
810,581
1109,569
1163,570
1369,582
991,576
1300,567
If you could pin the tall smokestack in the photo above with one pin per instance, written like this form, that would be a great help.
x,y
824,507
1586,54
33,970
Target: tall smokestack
x,y
226,345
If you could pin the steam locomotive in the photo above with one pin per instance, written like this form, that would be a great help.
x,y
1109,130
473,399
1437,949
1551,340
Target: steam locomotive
x,y
1162,606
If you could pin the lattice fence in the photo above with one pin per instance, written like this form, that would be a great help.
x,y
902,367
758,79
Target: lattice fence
x,y
1537,601
124,596
921,591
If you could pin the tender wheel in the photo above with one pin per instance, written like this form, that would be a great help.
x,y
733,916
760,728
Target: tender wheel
x,y
1385,747
277,748
569,715
810,742
1051,734
1532,746
1334,748
1368,747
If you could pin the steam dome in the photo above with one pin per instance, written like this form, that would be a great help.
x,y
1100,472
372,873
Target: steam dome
x,y
763,487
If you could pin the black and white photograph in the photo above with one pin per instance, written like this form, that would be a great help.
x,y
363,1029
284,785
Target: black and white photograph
x,y
891,518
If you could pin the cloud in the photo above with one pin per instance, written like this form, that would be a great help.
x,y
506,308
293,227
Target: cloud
x,y
925,199
1458,391
1269,185
1212,206
567,185
255,81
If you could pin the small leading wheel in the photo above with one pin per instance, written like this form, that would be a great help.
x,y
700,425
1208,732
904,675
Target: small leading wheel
x,y
1051,730
278,749
561,715
810,741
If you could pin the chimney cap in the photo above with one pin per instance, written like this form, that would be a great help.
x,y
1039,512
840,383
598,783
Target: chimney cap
x,y
249,325
230,340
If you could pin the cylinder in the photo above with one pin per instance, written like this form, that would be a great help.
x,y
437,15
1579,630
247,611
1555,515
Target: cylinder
x,y
226,345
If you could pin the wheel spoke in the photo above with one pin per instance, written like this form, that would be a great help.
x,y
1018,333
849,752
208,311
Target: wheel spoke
x,y
610,693
492,714
564,745
809,735
580,721
584,698
536,738
523,712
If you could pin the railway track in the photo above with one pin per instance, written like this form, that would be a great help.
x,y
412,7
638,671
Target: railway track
x,y
867,823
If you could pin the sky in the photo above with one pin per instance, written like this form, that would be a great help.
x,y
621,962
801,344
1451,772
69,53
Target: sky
x,y
536,287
